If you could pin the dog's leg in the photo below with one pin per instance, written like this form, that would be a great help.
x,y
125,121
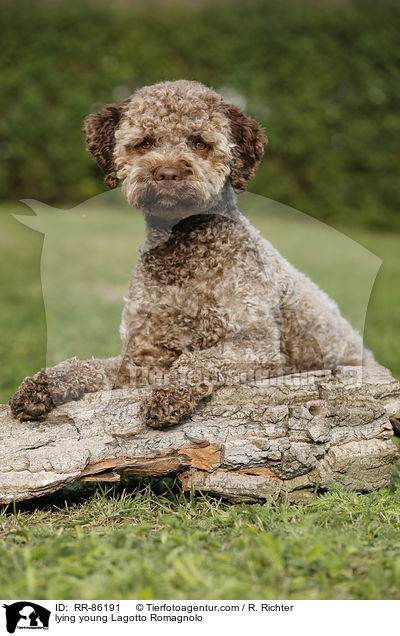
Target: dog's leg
x,y
65,382
196,375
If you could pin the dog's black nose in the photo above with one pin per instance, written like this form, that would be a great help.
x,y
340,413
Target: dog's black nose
x,y
167,174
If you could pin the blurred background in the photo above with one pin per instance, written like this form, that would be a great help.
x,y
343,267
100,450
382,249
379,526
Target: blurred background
x,y
322,76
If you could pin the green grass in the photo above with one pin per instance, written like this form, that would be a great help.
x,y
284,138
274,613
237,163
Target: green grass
x,y
140,542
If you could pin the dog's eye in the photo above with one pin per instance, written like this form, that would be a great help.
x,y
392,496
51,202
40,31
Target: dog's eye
x,y
199,144
146,144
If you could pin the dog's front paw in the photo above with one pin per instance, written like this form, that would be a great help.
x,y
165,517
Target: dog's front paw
x,y
32,401
167,406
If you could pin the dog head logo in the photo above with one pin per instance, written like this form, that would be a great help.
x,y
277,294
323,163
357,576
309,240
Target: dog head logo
x,y
26,615
88,253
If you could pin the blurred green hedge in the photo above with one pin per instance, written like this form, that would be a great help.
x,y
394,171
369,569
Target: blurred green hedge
x,y
323,78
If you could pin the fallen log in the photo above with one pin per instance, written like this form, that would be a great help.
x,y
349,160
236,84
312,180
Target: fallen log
x,y
284,438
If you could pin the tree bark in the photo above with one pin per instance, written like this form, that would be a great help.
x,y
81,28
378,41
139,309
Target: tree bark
x,y
284,438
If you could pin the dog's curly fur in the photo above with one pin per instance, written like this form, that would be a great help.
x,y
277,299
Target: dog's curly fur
x,y
210,302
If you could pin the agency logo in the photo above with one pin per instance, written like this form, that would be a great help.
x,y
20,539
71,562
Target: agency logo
x,y
26,615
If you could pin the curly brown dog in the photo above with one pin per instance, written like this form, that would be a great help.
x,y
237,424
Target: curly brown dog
x,y
210,301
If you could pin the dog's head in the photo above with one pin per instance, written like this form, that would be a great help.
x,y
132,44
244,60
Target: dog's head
x,y
173,145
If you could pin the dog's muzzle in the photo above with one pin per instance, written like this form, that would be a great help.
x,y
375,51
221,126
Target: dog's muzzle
x,y
168,194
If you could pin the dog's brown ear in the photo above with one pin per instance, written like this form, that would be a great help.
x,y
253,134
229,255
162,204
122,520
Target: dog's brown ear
x,y
99,129
249,139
